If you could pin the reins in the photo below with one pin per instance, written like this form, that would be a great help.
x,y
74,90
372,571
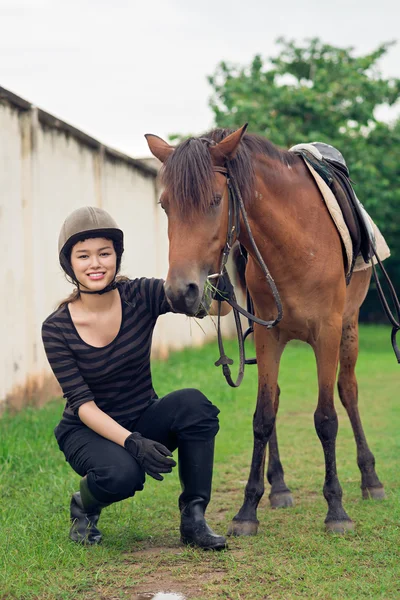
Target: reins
x,y
225,288
395,324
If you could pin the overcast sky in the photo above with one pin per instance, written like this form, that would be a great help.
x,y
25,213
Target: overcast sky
x,y
118,69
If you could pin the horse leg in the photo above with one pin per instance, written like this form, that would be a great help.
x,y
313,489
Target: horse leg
x,y
326,348
269,352
348,391
280,496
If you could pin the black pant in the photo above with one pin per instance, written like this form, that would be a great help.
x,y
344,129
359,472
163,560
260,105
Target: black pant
x,y
112,473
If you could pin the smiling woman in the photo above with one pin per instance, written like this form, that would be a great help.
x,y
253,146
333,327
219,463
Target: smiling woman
x,y
114,428
84,253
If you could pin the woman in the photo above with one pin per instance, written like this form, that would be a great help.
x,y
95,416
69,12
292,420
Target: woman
x,y
114,429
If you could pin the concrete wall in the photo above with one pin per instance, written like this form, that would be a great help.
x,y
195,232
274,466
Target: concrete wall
x,y
47,169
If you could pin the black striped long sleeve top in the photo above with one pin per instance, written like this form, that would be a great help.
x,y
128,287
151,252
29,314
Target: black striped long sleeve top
x,y
117,376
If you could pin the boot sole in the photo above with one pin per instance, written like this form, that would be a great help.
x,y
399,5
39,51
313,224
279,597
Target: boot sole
x,y
216,547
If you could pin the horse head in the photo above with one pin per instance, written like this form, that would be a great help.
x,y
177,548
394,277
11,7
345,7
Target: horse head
x,y
195,200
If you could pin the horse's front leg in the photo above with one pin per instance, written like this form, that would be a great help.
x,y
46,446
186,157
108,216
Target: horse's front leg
x,y
269,352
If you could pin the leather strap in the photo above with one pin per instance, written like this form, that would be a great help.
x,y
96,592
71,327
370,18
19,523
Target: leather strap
x,y
236,209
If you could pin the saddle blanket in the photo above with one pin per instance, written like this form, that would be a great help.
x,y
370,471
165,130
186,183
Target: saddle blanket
x,y
382,249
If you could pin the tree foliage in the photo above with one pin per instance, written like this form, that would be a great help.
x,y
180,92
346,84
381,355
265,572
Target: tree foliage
x,y
318,92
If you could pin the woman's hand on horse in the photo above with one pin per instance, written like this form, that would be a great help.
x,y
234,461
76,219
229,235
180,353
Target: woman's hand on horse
x,y
151,455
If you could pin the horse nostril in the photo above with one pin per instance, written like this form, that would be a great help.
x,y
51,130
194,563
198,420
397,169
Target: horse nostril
x,y
192,292
183,296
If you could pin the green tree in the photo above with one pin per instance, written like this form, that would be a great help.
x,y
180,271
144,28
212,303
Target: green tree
x,y
318,92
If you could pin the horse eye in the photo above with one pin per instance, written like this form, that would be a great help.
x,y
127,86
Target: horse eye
x,y
216,200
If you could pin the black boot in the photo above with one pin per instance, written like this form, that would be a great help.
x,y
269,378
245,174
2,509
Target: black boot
x,y
195,471
85,513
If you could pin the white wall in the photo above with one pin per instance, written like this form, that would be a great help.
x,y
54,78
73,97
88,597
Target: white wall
x,y
47,169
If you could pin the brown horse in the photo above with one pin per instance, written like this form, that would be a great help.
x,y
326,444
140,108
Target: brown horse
x,y
301,246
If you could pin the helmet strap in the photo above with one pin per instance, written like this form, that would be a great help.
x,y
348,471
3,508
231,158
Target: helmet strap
x,y
109,288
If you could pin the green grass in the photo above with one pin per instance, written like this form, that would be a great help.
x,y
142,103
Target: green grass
x,y
292,556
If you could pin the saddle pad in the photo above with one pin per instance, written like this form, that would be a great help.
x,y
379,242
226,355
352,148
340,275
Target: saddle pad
x,y
382,249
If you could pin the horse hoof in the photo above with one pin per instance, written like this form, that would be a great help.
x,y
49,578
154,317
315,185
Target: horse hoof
x,y
339,526
237,528
374,493
281,500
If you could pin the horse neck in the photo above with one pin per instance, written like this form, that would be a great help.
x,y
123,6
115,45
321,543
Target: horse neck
x,y
273,199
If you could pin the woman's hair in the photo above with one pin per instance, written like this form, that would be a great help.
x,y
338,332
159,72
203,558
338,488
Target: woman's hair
x,y
75,295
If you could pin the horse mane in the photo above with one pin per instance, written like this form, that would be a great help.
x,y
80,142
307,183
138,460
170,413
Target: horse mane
x,y
188,172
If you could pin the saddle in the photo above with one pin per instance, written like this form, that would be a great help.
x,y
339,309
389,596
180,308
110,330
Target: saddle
x,y
329,163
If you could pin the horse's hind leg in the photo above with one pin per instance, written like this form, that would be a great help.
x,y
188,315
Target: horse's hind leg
x,y
269,351
280,496
348,391
326,348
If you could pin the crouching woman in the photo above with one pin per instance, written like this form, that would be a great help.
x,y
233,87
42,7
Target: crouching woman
x,y
114,429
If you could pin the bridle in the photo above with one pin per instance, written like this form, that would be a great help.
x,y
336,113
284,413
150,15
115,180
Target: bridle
x,y
225,290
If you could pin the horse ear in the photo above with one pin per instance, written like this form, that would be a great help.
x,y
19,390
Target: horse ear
x,y
158,147
227,148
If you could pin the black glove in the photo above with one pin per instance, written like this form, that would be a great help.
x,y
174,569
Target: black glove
x,y
151,455
221,292
224,288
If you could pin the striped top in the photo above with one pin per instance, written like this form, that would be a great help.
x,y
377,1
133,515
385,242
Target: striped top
x,y
117,376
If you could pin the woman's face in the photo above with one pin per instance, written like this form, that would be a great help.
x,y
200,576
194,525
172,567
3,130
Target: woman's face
x,y
94,262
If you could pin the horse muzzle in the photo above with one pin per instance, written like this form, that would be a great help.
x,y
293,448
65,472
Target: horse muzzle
x,y
184,296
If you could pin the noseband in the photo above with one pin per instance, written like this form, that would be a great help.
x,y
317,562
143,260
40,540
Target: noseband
x,y
225,288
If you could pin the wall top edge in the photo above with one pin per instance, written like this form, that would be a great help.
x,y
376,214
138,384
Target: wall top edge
x,y
53,122
14,99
